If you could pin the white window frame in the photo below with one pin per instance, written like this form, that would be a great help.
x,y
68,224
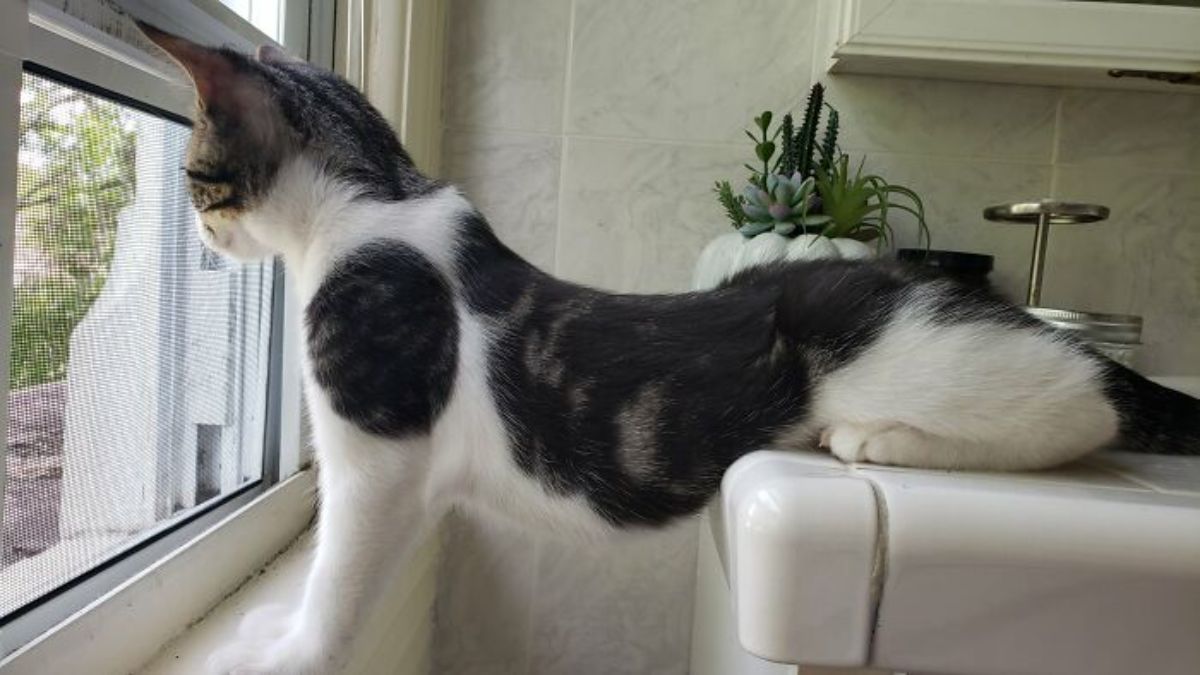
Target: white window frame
x,y
125,628
244,531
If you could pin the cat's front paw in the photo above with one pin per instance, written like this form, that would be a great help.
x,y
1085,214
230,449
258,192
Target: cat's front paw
x,y
293,654
273,641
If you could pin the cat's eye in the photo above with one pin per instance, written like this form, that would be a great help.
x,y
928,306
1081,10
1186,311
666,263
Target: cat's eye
x,y
208,176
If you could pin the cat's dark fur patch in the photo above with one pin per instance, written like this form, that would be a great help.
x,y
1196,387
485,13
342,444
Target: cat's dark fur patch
x,y
383,339
640,402
347,134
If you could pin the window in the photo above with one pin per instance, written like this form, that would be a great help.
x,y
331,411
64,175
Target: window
x,y
150,390
265,15
137,387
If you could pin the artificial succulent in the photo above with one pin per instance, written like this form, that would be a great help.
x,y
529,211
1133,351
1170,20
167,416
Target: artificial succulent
x,y
807,186
784,205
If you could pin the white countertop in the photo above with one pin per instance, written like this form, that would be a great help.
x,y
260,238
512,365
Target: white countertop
x,y
1090,568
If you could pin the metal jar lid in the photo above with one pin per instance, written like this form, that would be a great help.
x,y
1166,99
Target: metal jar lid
x,y
1056,212
1092,327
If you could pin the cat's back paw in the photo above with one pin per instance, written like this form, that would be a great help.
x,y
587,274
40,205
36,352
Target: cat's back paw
x,y
267,622
288,656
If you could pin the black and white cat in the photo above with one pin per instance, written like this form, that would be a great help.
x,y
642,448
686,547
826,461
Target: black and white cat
x,y
442,370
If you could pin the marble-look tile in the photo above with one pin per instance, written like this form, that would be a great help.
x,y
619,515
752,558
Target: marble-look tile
x,y
691,70
1131,128
486,587
941,117
1144,260
636,215
513,179
955,192
624,606
506,63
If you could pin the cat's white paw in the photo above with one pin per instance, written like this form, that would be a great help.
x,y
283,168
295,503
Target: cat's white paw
x,y
267,623
847,442
879,443
905,446
892,444
293,654
823,441
272,641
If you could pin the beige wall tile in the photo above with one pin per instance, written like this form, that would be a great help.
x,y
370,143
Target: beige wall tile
x,y
935,117
635,215
621,607
486,587
691,70
506,63
512,178
1144,129
1144,260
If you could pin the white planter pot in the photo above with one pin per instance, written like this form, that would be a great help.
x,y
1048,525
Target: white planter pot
x,y
731,253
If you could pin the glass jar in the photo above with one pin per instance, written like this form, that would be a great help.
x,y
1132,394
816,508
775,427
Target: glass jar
x,y
1117,336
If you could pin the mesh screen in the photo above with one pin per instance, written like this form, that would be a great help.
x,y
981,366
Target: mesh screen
x,y
138,359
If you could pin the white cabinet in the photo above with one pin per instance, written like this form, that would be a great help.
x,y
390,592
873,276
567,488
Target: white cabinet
x,y
1065,42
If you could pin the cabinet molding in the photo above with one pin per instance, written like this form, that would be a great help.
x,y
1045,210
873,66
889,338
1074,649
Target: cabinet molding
x,y
1028,41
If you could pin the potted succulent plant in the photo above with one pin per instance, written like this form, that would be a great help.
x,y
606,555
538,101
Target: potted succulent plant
x,y
803,200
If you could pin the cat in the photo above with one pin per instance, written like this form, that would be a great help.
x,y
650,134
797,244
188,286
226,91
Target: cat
x,y
444,371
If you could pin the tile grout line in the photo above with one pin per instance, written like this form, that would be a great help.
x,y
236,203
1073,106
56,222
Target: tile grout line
x,y
563,149
868,152
1056,142
562,136
531,617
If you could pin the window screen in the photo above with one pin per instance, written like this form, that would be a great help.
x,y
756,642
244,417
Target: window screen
x,y
138,359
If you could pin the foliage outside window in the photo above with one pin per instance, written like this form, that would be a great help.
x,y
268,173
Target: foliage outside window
x,y
75,174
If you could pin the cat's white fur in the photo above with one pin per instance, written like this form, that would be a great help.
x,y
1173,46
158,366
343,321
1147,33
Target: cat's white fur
x,y
968,395
378,496
913,398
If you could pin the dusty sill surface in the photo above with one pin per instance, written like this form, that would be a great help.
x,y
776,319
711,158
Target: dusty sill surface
x,y
396,640
281,582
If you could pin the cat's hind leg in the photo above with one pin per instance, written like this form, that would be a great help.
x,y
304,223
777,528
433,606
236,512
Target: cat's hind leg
x,y
965,396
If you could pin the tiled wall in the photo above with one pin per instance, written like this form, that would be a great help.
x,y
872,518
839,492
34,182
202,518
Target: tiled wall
x,y
590,132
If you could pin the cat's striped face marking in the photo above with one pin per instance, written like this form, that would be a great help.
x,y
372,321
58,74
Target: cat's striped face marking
x,y
231,169
254,114
239,139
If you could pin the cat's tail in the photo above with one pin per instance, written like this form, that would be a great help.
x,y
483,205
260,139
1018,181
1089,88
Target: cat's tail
x,y
1154,419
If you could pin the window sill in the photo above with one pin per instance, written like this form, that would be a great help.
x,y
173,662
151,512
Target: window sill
x,y
396,641
279,583
124,629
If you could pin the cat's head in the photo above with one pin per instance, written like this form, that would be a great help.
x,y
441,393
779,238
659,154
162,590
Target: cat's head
x,y
261,116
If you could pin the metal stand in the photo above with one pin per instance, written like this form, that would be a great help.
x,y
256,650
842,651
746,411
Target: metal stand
x,y
1043,213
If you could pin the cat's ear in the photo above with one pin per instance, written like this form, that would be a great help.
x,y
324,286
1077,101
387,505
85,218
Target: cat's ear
x,y
276,55
219,82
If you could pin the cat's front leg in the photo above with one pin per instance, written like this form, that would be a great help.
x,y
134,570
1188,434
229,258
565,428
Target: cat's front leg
x,y
371,518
